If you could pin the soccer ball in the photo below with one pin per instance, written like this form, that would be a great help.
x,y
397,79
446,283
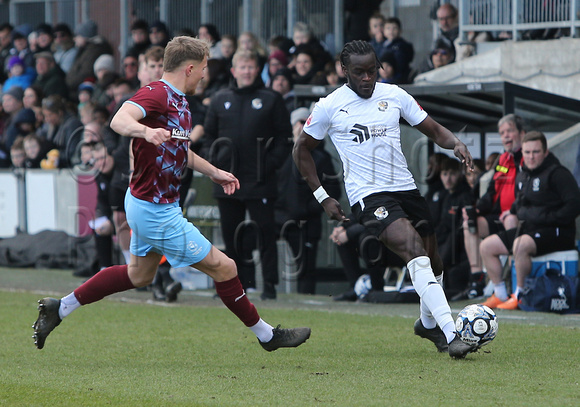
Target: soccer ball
x,y
476,325
362,286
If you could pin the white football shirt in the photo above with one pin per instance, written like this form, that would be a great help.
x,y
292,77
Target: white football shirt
x,y
367,136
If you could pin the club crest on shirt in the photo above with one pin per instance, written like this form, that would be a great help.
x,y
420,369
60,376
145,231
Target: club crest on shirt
x,y
381,213
227,105
382,105
257,103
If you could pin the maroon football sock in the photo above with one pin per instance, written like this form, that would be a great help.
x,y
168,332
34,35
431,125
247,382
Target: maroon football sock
x,y
233,296
108,281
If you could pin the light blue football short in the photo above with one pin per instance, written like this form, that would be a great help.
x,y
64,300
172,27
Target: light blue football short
x,y
161,228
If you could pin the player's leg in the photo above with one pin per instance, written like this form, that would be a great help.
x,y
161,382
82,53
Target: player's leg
x,y
402,238
223,271
114,279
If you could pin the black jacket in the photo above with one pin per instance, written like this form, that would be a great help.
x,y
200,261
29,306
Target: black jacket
x,y
248,133
547,196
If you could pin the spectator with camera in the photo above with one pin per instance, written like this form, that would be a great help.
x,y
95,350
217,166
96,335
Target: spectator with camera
x,y
492,210
546,206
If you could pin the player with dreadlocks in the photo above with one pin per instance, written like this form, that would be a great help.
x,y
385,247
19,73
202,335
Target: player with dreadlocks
x,y
362,120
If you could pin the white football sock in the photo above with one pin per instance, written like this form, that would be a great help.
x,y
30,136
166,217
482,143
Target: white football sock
x,y
127,256
431,293
263,331
518,291
67,305
500,291
426,317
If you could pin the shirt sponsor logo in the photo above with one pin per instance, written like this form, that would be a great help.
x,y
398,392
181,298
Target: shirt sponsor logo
x,y
180,134
363,133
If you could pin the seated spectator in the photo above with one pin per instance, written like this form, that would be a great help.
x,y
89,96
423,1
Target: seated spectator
x,y
63,129
139,37
25,122
20,46
402,50
11,104
435,191
283,83
228,46
216,79
64,47
85,92
448,19
276,60
209,32
442,55
472,177
17,153
449,231
331,76
159,34
298,214
303,36
51,78
102,94
249,42
304,69
32,97
376,27
547,204
34,151
388,72
45,38
493,208
130,69
18,74
90,46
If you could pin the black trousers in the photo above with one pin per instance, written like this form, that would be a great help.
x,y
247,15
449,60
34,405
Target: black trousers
x,y
241,237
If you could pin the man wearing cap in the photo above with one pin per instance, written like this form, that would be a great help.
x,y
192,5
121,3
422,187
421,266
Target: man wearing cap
x,y
158,34
51,79
63,46
12,104
90,46
139,37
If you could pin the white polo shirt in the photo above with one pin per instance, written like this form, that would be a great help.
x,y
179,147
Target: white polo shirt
x,y
367,136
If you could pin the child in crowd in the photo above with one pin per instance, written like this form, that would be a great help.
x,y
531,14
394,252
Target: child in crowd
x,y
33,150
402,50
388,73
17,153
376,27
18,74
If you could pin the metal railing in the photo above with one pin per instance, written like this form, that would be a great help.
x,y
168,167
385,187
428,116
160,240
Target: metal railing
x,y
515,18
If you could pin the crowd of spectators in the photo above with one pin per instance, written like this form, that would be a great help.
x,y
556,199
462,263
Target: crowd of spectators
x,y
60,86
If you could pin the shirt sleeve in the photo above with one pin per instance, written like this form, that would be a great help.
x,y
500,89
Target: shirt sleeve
x,y
318,122
411,111
151,98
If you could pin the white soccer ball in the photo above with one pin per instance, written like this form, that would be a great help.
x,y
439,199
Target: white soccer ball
x,y
363,285
476,325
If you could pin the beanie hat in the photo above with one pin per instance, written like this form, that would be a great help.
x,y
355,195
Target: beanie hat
x,y
280,56
16,92
285,72
88,29
25,116
15,60
44,28
105,62
88,86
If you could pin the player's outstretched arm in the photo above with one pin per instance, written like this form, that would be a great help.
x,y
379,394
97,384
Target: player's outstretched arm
x,y
126,123
444,138
302,155
227,180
